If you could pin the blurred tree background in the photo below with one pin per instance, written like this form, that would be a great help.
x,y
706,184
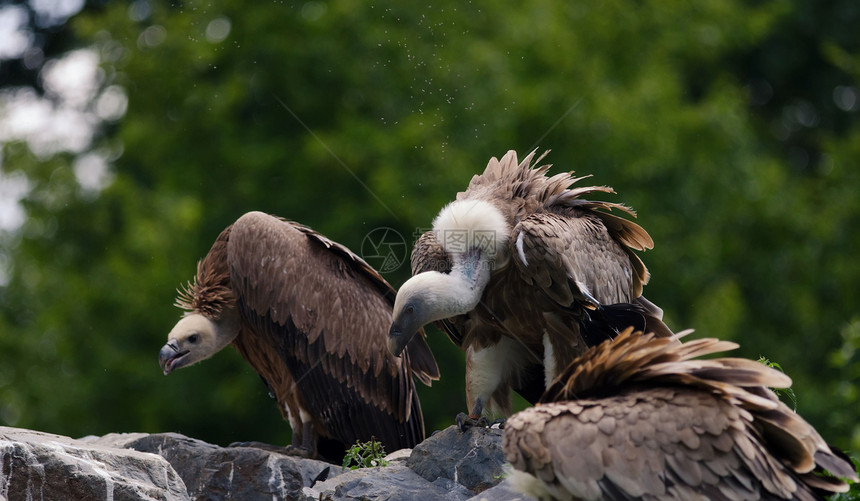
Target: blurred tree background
x,y
132,133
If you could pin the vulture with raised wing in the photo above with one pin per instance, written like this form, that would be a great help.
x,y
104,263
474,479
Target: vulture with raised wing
x,y
524,275
312,319
644,418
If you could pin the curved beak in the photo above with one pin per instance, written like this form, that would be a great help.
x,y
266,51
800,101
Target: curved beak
x,y
170,357
397,341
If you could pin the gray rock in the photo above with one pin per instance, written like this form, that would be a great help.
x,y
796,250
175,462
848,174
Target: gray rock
x,y
473,458
450,465
388,482
400,456
214,472
501,492
36,465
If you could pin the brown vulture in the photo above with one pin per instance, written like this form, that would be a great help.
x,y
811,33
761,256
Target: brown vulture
x,y
312,319
524,275
643,418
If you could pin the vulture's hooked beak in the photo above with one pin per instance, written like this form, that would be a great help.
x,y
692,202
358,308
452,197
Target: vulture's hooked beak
x,y
170,358
396,340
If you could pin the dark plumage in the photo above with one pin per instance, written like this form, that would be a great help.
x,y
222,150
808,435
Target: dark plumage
x,y
524,275
643,418
311,318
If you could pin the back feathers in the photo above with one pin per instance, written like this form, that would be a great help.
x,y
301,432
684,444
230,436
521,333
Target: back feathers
x,y
635,362
527,180
522,189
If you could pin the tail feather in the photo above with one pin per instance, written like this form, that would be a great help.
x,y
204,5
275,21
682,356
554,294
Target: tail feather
x,y
605,322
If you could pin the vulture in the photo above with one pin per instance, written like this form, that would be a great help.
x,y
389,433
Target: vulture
x,y
639,417
524,275
311,318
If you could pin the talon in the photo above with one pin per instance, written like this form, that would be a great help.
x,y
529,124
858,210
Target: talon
x,y
467,421
462,419
500,422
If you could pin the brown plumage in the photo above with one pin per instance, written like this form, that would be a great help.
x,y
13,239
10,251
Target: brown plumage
x,y
311,318
643,418
523,274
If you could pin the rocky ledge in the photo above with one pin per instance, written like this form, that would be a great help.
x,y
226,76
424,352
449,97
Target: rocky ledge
x,y
449,465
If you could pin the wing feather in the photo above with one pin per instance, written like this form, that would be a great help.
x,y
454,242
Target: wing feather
x,y
327,313
572,256
668,426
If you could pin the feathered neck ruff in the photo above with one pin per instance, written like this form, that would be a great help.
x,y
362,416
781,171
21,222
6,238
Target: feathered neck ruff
x,y
210,292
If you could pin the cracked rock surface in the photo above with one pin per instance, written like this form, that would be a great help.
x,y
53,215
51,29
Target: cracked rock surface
x,y
450,465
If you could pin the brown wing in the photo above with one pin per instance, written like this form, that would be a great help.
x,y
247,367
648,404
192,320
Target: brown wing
x,y
428,255
573,256
659,444
644,418
327,314
420,358
662,443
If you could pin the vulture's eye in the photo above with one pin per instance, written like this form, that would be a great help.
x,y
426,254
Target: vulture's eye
x,y
193,338
410,310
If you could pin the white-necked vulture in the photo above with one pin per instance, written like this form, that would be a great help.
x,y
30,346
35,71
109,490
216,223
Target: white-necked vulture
x,y
642,418
524,275
312,319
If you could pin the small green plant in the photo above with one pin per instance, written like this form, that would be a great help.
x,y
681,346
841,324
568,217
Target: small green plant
x,y
365,455
787,395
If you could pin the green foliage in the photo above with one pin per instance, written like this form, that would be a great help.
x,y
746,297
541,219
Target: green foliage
x,y
739,155
787,395
845,390
365,455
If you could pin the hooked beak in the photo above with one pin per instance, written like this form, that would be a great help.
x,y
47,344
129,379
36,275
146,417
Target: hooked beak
x,y
170,358
397,341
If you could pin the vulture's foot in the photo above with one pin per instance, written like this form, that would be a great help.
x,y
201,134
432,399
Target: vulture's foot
x,y
467,421
289,450
500,422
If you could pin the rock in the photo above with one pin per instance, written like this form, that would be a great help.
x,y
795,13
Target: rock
x,y
450,465
395,481
35,465
400,456
502,491
214,472
473,458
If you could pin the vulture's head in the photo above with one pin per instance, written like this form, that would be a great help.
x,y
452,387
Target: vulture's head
x,y
196,337
424,298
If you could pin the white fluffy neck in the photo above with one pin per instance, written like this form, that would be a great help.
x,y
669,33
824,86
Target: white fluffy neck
x,y
464,226
474,233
